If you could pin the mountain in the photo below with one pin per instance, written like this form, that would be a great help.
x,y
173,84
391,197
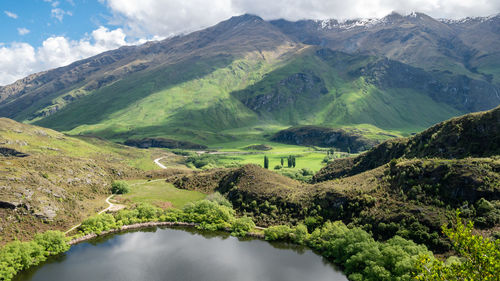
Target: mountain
x,y
248,78
416,39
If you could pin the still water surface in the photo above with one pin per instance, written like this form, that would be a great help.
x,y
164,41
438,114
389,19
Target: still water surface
x,y
183,254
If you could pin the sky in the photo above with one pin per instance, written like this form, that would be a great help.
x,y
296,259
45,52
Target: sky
x,y
38,35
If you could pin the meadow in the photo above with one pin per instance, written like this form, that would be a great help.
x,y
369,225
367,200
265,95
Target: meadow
x,y
158,193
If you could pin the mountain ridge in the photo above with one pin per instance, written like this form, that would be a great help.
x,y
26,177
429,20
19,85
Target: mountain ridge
x,y
246,72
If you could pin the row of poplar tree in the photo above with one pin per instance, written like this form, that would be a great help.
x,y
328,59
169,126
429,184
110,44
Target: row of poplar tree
x,y
291,160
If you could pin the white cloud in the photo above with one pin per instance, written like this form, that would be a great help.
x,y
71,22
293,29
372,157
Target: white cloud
x,y
23,31
11,14
165,18
18,60
59,13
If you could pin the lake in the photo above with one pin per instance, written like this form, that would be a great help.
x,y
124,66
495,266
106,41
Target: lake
x,y
183,254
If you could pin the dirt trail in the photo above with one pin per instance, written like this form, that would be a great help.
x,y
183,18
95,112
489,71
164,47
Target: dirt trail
x,y
111,207
157,162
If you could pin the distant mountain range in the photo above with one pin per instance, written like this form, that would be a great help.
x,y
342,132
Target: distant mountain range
x,y
249,77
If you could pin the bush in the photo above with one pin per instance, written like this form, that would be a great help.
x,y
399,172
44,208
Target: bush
x,y
313,222
219,199
201,161
480,257
98,224
16,256
300,234
54,242
120,187
279,232
210,215
241,226
306,172
148,212
362,257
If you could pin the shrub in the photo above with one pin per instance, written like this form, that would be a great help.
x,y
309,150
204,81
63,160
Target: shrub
x,y
219,199
241,226
209,215
279,232
306,172
54,242
313,222
147,212
300,234
98,224
120,187
480,257
16,256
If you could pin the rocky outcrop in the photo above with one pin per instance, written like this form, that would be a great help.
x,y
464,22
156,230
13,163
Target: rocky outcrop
x,y
324,137
9,152
163,143
10,205
460,91
285,92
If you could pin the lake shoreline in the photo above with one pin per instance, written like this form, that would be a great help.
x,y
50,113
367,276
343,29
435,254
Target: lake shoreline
x,y
146,225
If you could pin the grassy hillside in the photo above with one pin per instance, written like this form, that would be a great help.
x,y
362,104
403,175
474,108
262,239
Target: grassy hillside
x,y
55,180
207,99
471,135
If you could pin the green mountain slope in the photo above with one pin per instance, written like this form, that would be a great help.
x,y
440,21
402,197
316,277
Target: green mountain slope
x,y
241,77
313,87
330,88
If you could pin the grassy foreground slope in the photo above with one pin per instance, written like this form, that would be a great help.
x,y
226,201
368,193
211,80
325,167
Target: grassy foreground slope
x,y
51,181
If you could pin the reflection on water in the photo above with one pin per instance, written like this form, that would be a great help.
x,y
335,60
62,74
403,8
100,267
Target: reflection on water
x,y
183,254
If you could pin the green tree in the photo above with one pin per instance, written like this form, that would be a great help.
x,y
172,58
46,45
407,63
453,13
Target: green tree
x,y
282,161
54,242
480,257
266,162
120,187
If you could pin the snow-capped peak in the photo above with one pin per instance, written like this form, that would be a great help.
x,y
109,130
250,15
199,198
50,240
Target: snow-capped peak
x,y
347,24
468,20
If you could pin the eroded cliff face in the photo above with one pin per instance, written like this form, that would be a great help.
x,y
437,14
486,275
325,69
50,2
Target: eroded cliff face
x,y
324,137
164,143
287,92
460,91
